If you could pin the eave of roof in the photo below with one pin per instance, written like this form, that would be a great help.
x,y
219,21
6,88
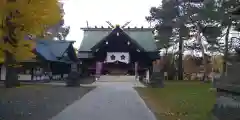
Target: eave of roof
x,y
143,36
52,50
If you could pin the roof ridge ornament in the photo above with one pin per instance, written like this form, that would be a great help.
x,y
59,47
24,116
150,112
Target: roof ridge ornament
x,y
117,25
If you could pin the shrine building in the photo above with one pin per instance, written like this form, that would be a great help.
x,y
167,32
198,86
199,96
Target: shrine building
x,y
120,50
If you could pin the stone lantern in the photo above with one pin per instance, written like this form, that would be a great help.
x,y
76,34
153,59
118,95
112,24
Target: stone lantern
x,y
227,105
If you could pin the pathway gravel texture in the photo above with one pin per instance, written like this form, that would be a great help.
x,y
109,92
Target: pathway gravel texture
x,y
111,100
37,102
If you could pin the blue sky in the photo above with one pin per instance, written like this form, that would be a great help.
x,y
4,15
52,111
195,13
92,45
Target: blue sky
x,y
96,12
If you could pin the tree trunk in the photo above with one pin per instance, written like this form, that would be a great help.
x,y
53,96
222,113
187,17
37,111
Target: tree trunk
x,y
166,51
11,79
226,49
180,56
204,56
205,63
205,66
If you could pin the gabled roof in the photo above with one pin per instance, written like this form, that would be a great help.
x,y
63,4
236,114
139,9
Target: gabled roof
x,y
52,50
143,36
120,31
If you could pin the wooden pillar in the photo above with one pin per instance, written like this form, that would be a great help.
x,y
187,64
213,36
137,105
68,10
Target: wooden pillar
x,y
136,70
32,73
3,72
98,70
49,71
147,76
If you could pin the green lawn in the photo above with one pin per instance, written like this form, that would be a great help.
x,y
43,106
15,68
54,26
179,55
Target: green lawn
x,y
180,100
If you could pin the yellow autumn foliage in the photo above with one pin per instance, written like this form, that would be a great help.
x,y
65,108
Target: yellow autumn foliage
x,y
33,17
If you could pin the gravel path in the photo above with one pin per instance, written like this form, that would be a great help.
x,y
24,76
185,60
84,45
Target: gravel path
x,y
37,102
109,101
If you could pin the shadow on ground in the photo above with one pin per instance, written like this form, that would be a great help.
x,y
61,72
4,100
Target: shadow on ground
x,y
37,102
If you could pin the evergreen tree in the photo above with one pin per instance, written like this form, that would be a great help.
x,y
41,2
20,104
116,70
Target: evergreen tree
x,y
208,18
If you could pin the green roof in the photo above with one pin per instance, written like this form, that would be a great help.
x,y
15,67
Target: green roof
x,y
144,37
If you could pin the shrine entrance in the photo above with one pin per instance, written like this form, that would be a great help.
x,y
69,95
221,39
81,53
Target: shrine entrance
x,y
116,71
118,51
117,63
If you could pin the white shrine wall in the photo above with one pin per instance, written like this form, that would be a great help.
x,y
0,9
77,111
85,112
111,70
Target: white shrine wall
x,y
37,76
